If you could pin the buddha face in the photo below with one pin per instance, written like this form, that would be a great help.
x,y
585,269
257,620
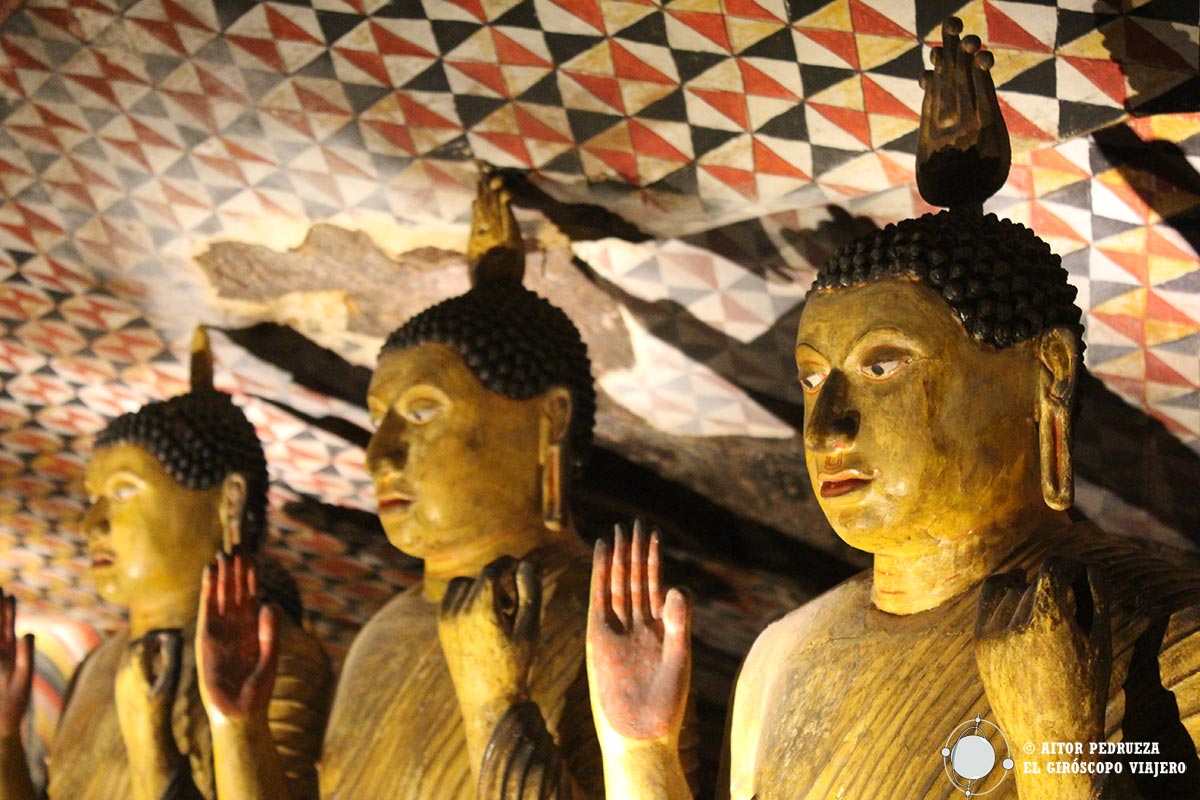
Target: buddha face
x,y
914,431
451,460
147,534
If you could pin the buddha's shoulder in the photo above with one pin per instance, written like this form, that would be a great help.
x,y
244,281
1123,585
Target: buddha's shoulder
x,y
838,611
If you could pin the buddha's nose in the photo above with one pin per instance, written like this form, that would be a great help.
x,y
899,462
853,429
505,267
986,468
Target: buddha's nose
x,y
387,451
832,421
95,520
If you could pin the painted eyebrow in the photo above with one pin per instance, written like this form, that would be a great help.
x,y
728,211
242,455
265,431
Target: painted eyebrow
x,y
868,339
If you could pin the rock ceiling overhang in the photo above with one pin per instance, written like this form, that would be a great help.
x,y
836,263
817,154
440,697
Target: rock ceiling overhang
x,y
734,142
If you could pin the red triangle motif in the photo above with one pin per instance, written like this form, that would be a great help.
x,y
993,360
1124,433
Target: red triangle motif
x,y
850,120
769,162
1159,371
627,65
369,63
624,164
19,58
163,31
841,43
283,28
896,174
487,74
586,10
390,44
147,135
511,143
311,101
757,82
514,54
181,16
99,86
533,128
1002,31
420,116
262,49
709,25
398,135
748,9
604,88
731,104
1159,309
648,143
1047,223
1050,158
1104,75
878,100
740,180
472,7
1159,245
1019,125
1129,327
869,21
1133,263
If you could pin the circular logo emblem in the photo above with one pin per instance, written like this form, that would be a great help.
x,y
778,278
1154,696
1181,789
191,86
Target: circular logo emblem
x,y
976,757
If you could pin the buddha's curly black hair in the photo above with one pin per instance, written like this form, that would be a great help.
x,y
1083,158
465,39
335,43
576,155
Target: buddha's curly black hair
x,y
1000,279
200,438
517,343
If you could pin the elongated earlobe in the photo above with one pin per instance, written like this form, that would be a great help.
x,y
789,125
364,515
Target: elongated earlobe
x,y
555,425
233,503
1059,356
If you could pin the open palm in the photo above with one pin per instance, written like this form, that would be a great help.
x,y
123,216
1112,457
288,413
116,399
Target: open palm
x,y
235,640
638,640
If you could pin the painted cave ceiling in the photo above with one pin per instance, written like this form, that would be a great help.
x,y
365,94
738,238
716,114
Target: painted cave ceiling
x,y
299,176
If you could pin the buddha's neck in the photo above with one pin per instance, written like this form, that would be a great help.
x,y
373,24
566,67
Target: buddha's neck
x,y
164,610
470,559
925,578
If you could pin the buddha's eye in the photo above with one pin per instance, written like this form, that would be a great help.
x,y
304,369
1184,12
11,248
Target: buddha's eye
x,y
422,411
881,370
811,381
123,491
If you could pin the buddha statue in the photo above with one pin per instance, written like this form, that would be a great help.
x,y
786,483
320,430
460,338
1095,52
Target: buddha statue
x,y
171,485
938,359
472,683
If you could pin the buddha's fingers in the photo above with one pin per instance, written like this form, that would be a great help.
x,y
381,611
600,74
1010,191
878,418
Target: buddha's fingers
x,y
529,602
238,579
638,596
600,605
998,599
222,582
987,107
677,630
268,649
620,577
654,578
8,619
947,66
22,674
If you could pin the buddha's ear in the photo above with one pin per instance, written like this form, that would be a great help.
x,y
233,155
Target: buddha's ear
x,y
555,425
1058,354
233,503
556,411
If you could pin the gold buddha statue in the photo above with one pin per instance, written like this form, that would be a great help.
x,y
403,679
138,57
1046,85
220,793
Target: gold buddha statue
x,y
938,359
472,683
172,485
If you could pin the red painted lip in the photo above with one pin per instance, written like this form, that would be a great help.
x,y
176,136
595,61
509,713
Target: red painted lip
x,y
394,503
102,560
839,488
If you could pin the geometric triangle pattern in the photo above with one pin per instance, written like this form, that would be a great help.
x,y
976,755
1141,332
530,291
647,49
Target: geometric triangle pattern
x,y
136,132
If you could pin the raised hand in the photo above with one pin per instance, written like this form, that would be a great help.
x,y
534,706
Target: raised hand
x,y
16,668
236,641
1044,652
963,152
639,652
